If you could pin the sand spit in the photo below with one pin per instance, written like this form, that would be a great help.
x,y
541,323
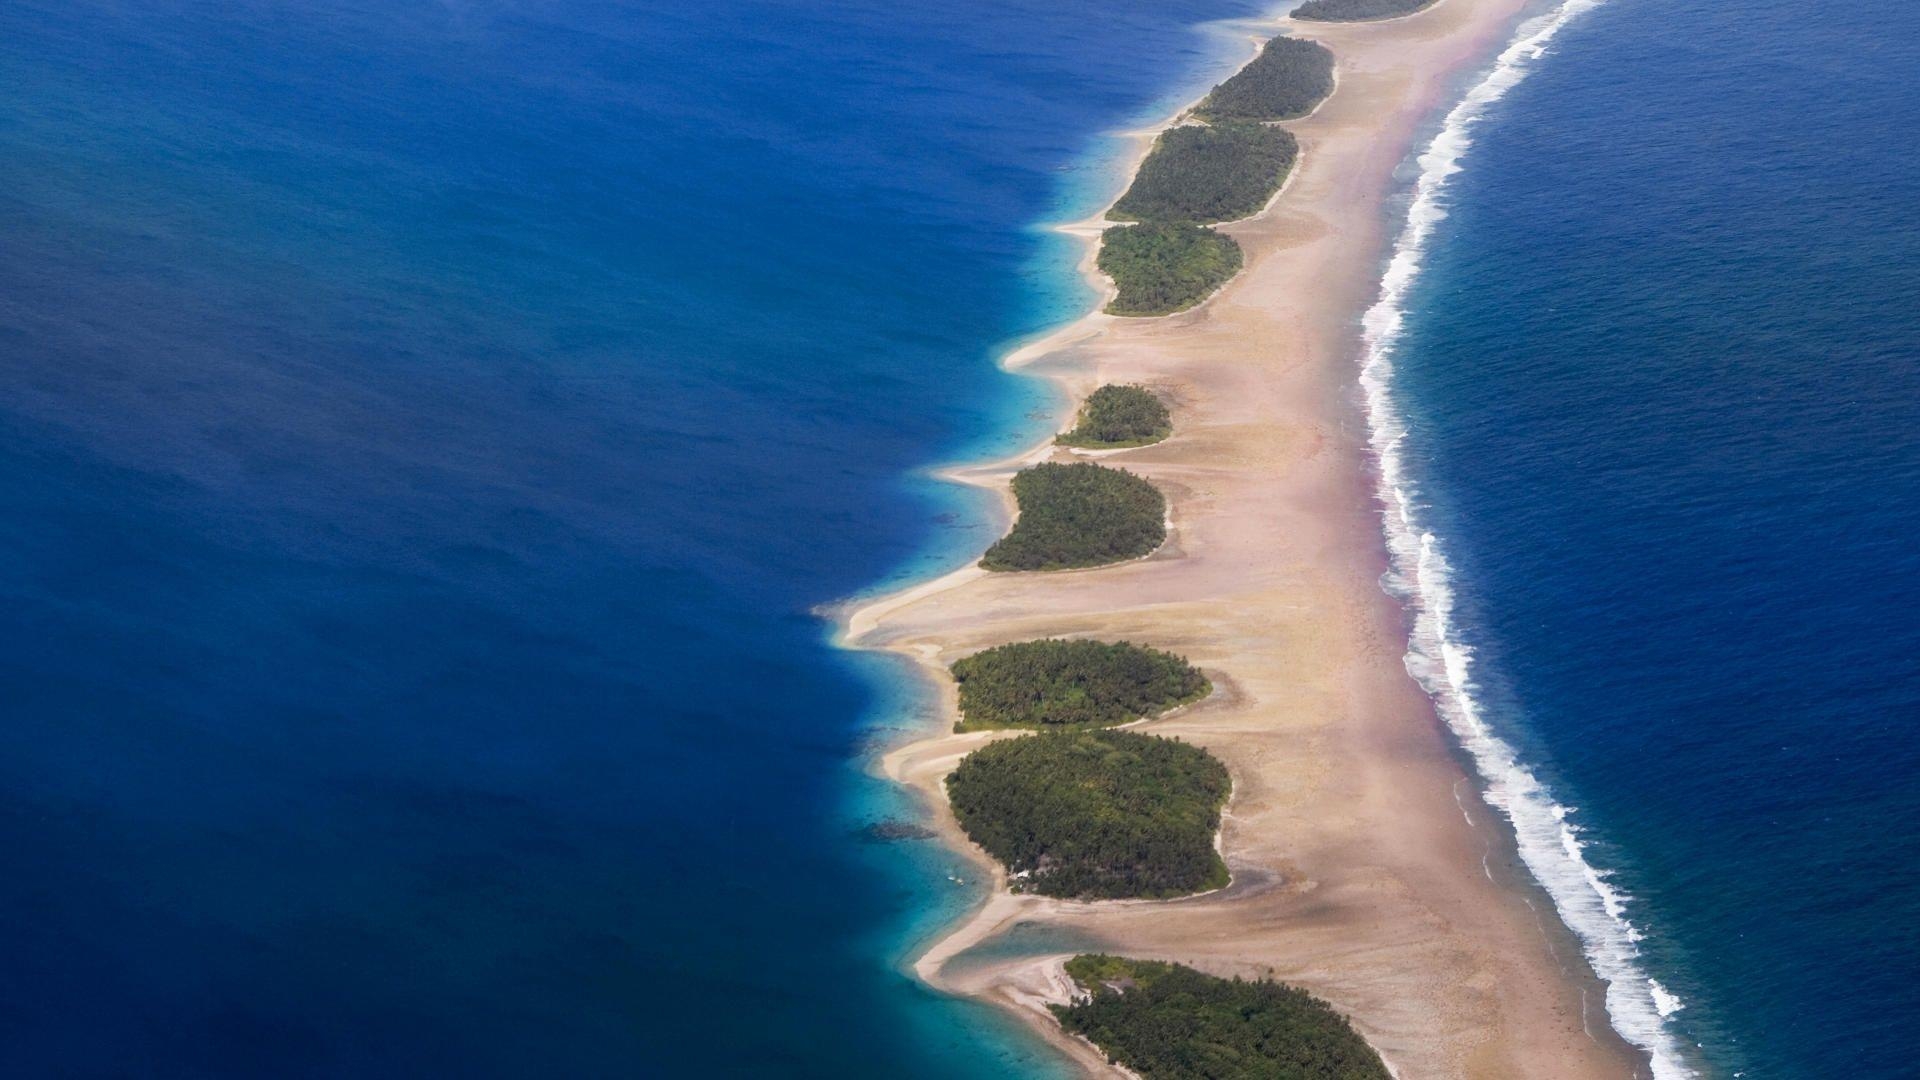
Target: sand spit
x,y
1365,867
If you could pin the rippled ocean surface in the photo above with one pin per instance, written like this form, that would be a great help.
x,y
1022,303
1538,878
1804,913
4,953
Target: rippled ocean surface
x,y
425,430
1661,382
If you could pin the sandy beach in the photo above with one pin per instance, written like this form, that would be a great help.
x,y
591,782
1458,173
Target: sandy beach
x,y
1365,867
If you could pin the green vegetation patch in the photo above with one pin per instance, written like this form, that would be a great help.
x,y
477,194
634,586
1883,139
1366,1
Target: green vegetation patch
x,y
1096,814
1201,174
1357,10
1164,267
1287,79
1119,416
1169,1022
1079,515
1058,684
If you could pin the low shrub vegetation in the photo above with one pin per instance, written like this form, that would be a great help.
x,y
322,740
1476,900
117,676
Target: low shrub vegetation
x,y
1095,814
1164,267
1077,515
1170,1022
1201,174
1356,10
1119,416
1287,79
1055,684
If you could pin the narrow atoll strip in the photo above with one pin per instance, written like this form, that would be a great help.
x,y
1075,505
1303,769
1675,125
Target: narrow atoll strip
x,y
1073,812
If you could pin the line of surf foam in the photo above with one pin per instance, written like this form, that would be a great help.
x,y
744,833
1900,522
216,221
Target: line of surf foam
x,y
1549,844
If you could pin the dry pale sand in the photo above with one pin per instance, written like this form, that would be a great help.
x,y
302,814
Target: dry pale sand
x,y
1365,866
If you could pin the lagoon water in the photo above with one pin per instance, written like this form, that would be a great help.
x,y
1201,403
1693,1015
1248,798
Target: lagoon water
x,y
427,427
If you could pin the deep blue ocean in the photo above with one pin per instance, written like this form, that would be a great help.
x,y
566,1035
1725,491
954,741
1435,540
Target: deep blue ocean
x,y
1661,384
428,429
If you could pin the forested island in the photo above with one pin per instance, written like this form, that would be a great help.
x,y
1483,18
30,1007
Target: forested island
x,y
1117,417
1078,515
1053,684
1095,814
1223,169
1357,10
1170,1022
1164,267
1287,80
1208,173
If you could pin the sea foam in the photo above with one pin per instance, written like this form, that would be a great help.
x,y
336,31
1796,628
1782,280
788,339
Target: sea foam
x,y
1549,843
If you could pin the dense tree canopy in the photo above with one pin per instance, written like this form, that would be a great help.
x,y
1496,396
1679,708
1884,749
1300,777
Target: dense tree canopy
x,y
1163,267
1356,10
1079,515
1169,1022
1201,174
1287,79
1057,684
1095,814
1116,416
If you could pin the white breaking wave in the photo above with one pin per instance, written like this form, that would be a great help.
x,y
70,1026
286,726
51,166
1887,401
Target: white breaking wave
x,y
1664,1000
1549,844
